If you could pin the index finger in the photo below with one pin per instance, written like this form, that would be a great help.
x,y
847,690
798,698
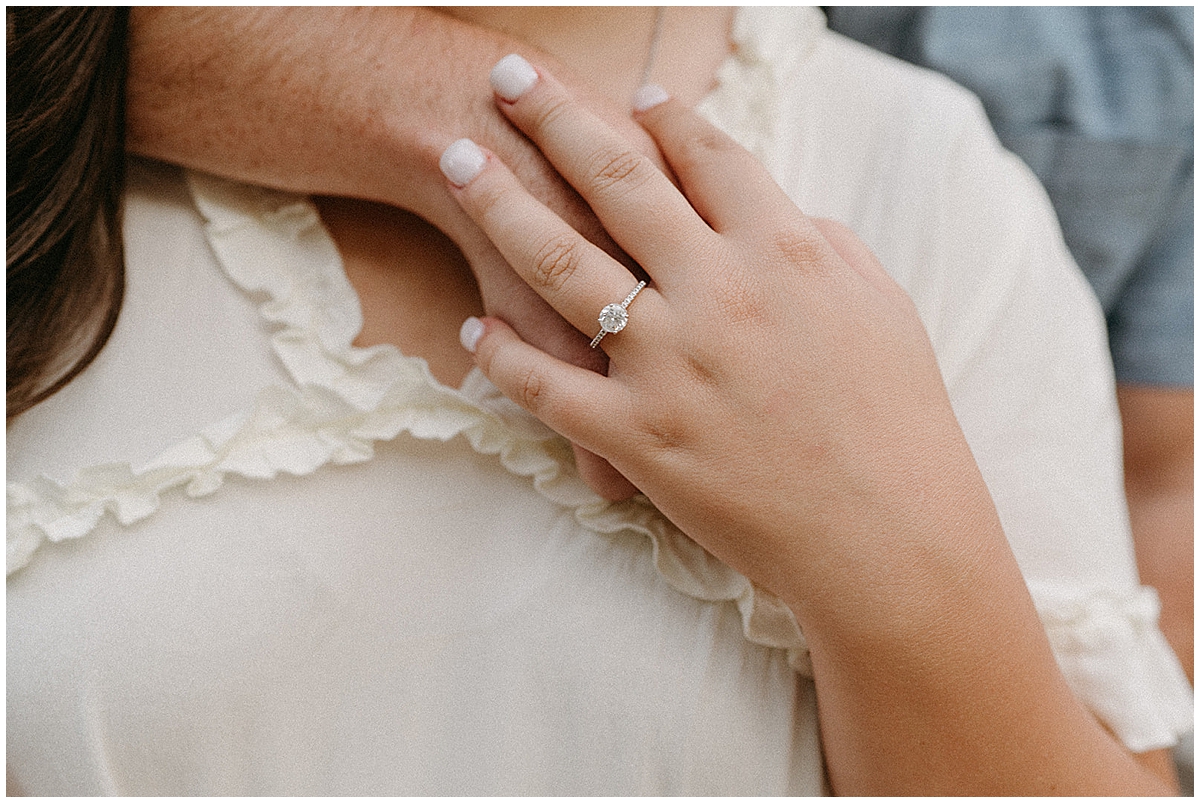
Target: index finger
x,y
638,205
725,183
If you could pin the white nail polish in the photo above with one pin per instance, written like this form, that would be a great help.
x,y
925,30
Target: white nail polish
x,y
469,334
461,162
648,96
512,76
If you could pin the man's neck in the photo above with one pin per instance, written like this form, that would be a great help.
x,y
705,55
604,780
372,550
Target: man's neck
x,y
611,45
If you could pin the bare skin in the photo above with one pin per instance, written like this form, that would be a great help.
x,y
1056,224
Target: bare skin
x,y
413,284
1159,477
911,700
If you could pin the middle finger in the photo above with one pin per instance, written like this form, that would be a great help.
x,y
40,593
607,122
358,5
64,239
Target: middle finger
x,y
639,206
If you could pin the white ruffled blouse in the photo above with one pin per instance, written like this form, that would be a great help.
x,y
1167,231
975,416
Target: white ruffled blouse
x,y
247,557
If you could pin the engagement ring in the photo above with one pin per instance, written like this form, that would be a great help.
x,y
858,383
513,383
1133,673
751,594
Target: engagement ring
x,y
614,317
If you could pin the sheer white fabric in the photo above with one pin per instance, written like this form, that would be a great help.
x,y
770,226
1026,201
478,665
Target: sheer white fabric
x,y
247,557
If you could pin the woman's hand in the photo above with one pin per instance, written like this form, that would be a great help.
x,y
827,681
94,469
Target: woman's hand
x,y
775,394
774,390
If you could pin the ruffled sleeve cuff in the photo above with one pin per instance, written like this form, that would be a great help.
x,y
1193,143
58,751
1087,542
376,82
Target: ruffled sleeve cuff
x,y
1117,662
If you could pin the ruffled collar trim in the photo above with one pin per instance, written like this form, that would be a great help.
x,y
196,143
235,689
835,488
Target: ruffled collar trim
x,y
342,400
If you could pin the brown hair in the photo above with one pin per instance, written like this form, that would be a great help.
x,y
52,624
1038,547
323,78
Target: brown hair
x,y
66,121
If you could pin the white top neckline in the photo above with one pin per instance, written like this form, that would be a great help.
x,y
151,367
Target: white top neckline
x,y
342,401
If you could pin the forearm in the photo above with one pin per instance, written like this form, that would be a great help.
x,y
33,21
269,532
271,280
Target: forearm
x,y
357,102
967,706
933,672
337,101
954,691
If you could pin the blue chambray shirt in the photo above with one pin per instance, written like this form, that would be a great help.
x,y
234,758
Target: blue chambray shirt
x,y
1099,102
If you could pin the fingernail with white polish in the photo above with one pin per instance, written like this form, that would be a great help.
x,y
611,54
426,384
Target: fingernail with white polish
x,y
512,76
649,96
469,334
461,162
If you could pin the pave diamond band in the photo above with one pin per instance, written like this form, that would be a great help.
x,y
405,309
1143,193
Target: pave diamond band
x,y
614,317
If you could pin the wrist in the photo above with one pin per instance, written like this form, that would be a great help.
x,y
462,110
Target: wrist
x,y
901,553
445,69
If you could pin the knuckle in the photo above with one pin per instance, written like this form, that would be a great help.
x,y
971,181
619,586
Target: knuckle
x,y
556,261
740,299
798,246
666,436
485,357
531,391
665,440
547,114
701,370
486,198
617,167
704,147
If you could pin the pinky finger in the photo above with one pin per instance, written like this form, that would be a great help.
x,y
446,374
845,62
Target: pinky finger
x,y
573,401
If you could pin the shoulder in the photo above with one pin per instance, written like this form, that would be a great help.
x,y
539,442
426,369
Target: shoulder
x,y
908,160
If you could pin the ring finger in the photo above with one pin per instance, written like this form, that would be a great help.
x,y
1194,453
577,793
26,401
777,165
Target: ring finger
x,y
576,277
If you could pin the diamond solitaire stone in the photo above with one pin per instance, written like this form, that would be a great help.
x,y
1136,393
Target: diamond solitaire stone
x,y
613,318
